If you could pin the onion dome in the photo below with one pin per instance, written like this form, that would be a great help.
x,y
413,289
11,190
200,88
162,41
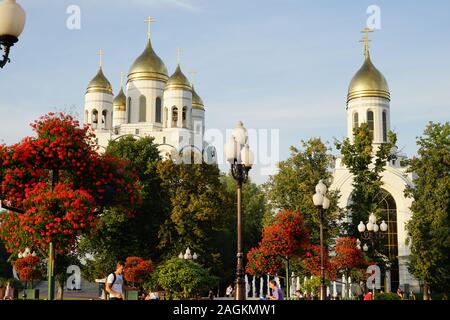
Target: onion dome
x,y
99,84
368,82
120,101
197,102
148,66
178,81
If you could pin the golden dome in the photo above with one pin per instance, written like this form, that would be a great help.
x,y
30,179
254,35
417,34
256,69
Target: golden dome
x,y
99,84
148,66
368,82
120,101
178,81
197,102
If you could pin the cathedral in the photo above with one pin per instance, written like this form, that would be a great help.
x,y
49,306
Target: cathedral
x,y
153,104
368,101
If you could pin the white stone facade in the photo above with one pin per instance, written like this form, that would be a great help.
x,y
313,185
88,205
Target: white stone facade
x,y
394,178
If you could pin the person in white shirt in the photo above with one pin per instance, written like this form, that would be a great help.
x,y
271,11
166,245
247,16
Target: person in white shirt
x,y
114,283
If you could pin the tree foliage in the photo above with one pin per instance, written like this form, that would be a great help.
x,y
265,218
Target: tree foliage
x,y
183,278
366,163
429,227
199,211
294,185
285,239
119,235
59,182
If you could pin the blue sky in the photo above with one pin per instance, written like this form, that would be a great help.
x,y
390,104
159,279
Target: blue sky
x,y
274,64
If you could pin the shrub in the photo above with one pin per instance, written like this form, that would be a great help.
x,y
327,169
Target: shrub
x,y
184,278
386,296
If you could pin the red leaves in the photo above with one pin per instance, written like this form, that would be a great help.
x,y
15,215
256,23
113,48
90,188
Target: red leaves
x,y
137,270
71,208
28,268
286,238
348,256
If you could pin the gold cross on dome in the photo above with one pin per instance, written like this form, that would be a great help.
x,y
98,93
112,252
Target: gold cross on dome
x,y
193,74
178,55
100,53
121,79
366,40
149,21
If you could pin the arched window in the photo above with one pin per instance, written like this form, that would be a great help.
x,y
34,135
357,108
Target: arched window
x,y
94,118
355,120
158,110
142,109
104,119
174,117
384,127
184,117
370,122
129,110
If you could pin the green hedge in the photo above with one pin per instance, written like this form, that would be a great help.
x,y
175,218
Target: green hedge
x,y
386,296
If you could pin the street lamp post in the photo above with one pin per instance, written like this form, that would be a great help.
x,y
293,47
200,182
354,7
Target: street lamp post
x,y
188,255
322,203
240,157
12,23
372,231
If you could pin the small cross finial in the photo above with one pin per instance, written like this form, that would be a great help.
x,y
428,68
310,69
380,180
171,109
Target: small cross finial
x,y
366,40
193,74
149,21
178,55
100,53
121,79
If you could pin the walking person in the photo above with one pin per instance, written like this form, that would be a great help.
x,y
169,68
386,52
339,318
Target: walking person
x,y
114,284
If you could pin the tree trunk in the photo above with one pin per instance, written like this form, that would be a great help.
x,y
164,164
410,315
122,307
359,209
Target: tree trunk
x,y
426,296
60,291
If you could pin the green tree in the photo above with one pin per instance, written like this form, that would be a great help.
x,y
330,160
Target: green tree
x,y
183,278
120,235
294,185
366,163
254,211
429,227
199,209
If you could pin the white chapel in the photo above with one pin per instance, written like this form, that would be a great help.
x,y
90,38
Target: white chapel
x,y
368,101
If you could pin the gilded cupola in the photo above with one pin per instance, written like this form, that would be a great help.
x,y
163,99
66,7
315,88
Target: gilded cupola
x,y
197,102
148,66
120,101
178,80
368,81
99,84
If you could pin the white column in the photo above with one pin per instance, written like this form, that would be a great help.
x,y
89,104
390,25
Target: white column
x,y
268,287
261,286
254,287
343,286
334,290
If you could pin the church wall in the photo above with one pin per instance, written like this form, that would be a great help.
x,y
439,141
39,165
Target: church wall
x,y
98,101
178,98
362,106
151,89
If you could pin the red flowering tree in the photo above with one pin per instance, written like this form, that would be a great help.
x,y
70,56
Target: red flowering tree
x,y
259,264
311,261
137,270
283,240
56,185
28,268
347,256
